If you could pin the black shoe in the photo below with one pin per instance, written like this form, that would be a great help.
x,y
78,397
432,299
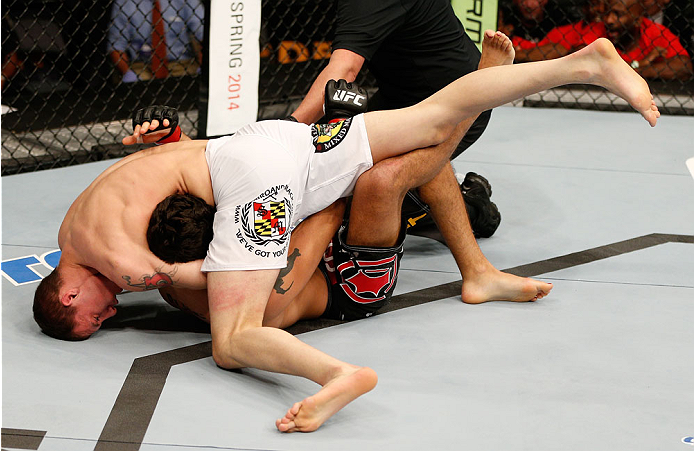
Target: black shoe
x,y
483,214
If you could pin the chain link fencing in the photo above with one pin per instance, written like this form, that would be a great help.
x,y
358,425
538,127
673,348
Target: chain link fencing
x,y
73,72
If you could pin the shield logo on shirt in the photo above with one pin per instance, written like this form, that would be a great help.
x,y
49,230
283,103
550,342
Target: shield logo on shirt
x,y
270,219
267,219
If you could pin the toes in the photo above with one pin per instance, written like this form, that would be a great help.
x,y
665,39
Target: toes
x,y
295,408
286,427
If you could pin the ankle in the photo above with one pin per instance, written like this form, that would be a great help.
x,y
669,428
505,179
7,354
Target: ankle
x,y
477,270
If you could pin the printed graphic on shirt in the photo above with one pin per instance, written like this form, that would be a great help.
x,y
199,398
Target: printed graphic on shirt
x,y
270,219
327,136
264,222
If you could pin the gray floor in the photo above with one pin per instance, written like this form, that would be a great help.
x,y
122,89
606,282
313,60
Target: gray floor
x,y
597,203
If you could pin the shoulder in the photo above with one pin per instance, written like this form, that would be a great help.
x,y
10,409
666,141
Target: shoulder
x,y
653,29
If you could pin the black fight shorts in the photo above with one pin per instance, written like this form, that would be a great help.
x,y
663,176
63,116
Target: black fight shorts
x,y
361,279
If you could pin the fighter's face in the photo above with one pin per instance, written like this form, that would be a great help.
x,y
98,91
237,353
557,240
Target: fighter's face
x,y
95,303
531,9
622,19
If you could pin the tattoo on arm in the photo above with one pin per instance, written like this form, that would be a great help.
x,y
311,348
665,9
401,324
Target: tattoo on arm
x,y
280,278
152,282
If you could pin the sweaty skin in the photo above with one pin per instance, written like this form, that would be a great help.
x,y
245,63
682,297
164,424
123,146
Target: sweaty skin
x,y
105,227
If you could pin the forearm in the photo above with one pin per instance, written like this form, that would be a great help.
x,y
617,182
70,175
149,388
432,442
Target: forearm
x,y
190,276
121,61
676,67
141,278
341,66
545,52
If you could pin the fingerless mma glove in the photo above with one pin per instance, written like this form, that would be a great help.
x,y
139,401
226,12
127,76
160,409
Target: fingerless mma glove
x,y
343,100
159,113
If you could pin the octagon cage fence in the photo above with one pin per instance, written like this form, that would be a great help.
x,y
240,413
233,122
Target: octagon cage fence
x,y
69,88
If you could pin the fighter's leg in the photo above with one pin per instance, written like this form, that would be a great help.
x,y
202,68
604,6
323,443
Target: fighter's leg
x,y
298,292
420,169
481,280
431,121
378,194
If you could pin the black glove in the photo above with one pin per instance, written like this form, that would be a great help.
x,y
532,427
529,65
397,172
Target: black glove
x,y
159,113
343,100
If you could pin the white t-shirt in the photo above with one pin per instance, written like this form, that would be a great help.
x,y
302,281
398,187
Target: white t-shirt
x,y
271,175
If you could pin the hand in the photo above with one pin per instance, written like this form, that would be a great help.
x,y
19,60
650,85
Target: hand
x,y
130,77
155,124
145,133
343,99
656,53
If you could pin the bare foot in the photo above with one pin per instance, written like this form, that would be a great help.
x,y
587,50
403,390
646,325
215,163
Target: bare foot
x,y
494,285
309,414
614,74
497,50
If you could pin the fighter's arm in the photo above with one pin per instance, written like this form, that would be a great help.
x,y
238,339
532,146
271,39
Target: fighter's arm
x,y
153,124
540,53
656,65
344,64
140,270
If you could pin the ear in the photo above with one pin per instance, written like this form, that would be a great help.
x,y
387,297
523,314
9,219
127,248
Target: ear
x,y
69,296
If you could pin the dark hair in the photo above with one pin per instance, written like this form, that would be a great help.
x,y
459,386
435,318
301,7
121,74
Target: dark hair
x,y
54,318
180,229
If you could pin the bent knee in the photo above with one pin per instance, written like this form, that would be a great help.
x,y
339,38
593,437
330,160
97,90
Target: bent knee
x,y
220,355
387,178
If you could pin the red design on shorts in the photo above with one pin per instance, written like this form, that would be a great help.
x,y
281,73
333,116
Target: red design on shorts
x,y
372,280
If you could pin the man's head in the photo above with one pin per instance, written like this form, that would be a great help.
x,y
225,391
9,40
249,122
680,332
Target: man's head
x,y
653,7
70,308
593,10
622,21
531,10
180,229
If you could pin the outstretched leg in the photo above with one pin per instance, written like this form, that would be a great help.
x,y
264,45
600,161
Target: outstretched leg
x,y
379,193
431,121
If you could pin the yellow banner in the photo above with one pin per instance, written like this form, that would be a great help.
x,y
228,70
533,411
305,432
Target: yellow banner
x,y
476,16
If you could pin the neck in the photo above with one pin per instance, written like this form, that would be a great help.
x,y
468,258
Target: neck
x,y
70,270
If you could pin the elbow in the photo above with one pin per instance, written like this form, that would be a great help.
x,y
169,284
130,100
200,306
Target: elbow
x,y
351,73
345,64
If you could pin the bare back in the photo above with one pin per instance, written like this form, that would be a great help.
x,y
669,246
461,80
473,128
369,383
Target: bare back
x,y
105,228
